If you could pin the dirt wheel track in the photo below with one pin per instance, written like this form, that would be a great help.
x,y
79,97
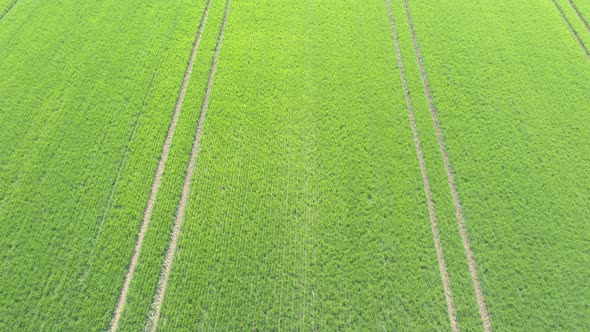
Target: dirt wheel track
x,y
7,10
158,176
483,310
425,180
154,316
580,16
571,29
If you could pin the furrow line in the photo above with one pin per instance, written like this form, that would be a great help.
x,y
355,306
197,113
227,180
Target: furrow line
x,y
571,28
483,310
580,16
110,201
158,176
425,180
154,316
7,10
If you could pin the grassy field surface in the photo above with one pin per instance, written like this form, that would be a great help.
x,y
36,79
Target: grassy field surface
x,y
322,184
511,85
144,283
87,93
583,8
5,7
468,317
574,18
307,209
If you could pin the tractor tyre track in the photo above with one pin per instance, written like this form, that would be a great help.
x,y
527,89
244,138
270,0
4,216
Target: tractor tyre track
x,y
154,316
425,180
580,16
571,29
483,310
158,176
8,9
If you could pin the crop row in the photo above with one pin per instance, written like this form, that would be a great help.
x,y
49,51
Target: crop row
x,y
511,86
143,287
307,210
87,91
574,20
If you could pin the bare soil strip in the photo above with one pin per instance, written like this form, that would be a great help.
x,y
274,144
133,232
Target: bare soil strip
x,y
571,28
580,16
426,182
158,176
483,310
154,316
7,10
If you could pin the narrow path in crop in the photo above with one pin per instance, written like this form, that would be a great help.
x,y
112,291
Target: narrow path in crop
x,y
7,10
442,266
154,316
122,163
110,200
571,28
483,310
158,176
579,14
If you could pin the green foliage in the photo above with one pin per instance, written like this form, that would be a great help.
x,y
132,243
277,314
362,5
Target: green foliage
x,y
5,7
307,210
512,88
584,8
460,279
143,286
86,95
577,24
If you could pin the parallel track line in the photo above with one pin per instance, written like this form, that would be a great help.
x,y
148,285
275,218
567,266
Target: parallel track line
x,y
483,310
158,176
8,9
580,16
571,29
425,180
154,316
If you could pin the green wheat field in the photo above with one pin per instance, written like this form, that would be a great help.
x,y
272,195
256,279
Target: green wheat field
x,y
294,165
